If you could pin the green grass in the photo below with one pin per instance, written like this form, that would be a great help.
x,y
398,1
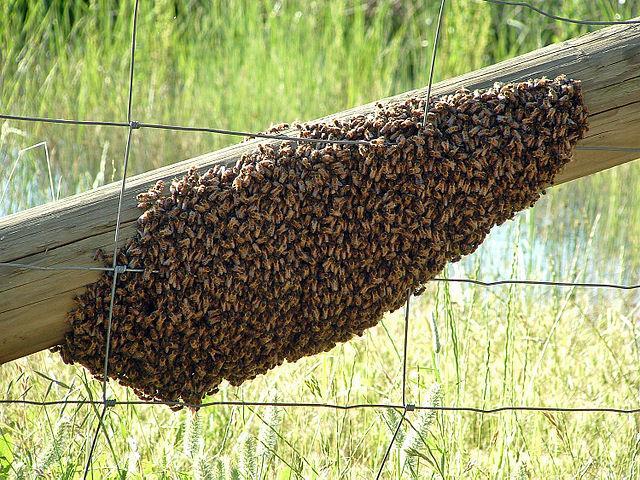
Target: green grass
x,y
246,65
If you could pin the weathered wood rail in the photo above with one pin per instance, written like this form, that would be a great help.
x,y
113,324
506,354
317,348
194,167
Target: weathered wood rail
x,y
33,303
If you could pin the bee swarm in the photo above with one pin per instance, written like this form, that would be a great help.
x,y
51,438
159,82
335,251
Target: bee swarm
x,y
303,245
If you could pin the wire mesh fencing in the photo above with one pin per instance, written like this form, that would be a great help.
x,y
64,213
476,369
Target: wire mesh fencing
x,y
405,404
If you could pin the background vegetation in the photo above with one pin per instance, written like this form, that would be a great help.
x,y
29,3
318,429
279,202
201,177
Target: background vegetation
x,y
248,64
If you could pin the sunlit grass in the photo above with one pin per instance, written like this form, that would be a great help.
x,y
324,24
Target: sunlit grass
x,y
245,65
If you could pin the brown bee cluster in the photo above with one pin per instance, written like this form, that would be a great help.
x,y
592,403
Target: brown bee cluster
x,y
303,245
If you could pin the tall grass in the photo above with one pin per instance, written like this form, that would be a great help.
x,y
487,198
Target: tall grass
x,y
247,64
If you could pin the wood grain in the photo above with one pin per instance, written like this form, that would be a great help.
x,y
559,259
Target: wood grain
x,y
68,232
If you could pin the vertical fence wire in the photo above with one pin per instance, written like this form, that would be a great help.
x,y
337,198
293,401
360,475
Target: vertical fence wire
x,y
116,270
407,307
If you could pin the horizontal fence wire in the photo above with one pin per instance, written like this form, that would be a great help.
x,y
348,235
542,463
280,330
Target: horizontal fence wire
x,y
404,406
482,283
239,133
63,121
26,266
542,283
563,19
332,406
274,136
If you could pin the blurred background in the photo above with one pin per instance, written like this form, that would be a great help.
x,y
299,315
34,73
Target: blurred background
x,y
249,64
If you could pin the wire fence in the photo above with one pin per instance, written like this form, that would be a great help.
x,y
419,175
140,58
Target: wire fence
x,y
405,406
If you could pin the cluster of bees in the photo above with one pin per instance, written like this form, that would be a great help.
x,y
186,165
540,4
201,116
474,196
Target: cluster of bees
x,y
303,245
